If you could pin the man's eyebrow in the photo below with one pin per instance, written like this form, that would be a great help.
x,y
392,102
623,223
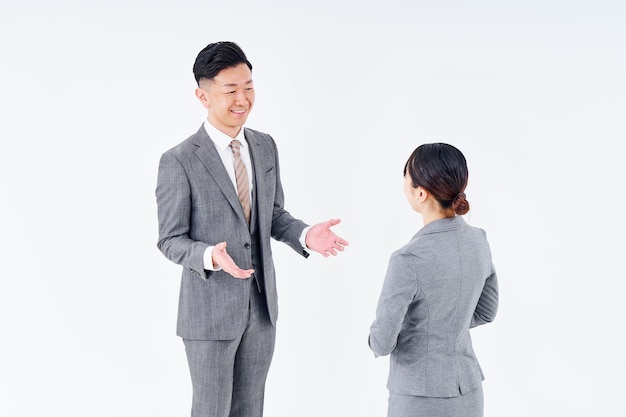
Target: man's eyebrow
x,y
235,84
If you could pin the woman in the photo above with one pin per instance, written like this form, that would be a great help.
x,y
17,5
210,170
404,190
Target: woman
x,y
437,287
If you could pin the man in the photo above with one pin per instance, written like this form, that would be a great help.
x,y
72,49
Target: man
x,y
220,200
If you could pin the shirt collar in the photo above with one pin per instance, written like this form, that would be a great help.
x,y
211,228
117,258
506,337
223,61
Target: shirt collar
x,y
222,140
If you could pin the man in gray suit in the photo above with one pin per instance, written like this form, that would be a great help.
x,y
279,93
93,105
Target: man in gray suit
x,y
220,200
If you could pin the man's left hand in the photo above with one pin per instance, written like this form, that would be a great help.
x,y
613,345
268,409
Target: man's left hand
x,y
323,240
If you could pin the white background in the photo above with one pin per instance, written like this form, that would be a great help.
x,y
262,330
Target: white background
x,y
91,94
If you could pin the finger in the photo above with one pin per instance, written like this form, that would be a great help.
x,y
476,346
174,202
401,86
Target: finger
x,y
221,246
333,247
237,272
332,222
243,274
341,241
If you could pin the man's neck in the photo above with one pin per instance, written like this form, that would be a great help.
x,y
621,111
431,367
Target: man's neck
x,y
231,131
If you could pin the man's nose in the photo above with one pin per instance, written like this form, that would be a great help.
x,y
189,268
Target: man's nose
x,y
241,98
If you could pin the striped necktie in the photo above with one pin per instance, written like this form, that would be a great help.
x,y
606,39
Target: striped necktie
x,y
241,176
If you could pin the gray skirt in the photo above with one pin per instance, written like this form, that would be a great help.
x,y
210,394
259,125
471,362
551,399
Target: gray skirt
x,y
468,405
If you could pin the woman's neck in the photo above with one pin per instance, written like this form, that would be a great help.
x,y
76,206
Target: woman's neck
x,y
432,215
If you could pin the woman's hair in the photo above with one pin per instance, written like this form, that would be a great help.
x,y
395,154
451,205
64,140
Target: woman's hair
x,y
442,170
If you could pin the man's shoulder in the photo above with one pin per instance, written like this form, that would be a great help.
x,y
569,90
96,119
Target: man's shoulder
x,y
252,134
188,144
248,130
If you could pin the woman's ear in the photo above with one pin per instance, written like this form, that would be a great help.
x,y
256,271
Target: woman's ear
x,y
421,194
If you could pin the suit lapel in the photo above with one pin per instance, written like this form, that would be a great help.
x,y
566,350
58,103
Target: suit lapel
x,y
259,159
207,154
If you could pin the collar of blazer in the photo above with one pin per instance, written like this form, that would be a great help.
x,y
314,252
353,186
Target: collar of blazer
x,y
208,156
263,158
442,225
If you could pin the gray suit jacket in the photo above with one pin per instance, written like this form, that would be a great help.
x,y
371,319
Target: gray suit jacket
x,y
437,287
198,207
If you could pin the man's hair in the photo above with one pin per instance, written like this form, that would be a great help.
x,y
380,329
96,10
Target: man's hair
x,y
218,56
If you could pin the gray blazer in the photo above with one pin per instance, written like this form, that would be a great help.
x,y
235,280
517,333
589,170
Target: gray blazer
x,y
198,207
437,287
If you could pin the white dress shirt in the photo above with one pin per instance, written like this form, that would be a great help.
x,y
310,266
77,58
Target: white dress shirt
x,y
222,145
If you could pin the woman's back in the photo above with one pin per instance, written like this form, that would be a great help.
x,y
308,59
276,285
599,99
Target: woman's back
x,y
437,287
449,263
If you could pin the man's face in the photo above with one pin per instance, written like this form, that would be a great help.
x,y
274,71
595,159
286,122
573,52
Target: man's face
x,y
228,97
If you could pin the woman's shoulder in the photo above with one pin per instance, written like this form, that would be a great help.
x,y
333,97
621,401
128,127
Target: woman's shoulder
x,y
413,247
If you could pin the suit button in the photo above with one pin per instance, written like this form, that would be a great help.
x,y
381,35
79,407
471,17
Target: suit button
x,y
246,245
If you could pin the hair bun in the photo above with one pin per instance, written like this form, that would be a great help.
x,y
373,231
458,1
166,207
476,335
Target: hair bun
x,y
460,204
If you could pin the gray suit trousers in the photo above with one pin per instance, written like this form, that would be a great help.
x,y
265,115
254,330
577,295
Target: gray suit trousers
x,y
228,376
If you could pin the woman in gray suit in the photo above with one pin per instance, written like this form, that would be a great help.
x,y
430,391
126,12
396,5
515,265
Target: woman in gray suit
x,y
437,287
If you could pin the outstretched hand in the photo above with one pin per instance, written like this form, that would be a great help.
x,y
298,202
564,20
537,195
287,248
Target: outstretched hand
x,y
323,240
222,259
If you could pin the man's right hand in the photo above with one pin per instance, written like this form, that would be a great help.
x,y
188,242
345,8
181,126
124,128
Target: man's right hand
x,y
221,259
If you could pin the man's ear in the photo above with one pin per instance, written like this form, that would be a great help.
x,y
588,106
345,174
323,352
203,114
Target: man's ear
x,y
202,96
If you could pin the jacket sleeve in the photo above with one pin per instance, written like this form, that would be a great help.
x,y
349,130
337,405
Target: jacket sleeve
x,y
399,290
285,228
487,306
173,194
